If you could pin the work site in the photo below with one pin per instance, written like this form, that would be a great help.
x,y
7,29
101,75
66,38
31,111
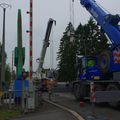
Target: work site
x,y
59,60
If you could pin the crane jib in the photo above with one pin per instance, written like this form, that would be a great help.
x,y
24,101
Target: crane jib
x,y
45,44
108,22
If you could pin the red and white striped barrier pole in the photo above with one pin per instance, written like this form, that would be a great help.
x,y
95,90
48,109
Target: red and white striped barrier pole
x,y
93,96
31,89
92,90
30,39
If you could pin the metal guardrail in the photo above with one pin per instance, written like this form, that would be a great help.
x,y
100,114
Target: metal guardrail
x,y
9,100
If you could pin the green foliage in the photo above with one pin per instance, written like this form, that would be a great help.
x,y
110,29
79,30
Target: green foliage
x,y
88,40
91,40
66,56
7,68
0,52
7,75
6,114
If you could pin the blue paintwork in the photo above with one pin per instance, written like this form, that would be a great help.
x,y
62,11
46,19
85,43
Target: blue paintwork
x,y
114,67
89,73
18,86
109,24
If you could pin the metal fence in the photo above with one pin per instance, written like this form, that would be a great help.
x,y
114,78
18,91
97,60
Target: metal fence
x,y
23,100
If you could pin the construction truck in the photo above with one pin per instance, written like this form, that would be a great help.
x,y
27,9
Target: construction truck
x,y
101,72
46,43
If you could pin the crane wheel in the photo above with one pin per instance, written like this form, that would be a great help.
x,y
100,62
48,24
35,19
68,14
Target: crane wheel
x,y
109,88
76,91
104,61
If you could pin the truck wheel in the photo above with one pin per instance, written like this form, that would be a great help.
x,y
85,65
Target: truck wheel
x,y
78,91
111,87
104,61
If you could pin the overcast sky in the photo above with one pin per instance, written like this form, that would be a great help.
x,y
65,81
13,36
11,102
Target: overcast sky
x,y
43,10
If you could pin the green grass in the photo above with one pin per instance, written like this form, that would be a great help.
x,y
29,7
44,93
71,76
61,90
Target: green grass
x,y
6,114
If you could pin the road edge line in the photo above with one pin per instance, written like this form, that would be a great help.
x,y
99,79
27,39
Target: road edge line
x,y
66,109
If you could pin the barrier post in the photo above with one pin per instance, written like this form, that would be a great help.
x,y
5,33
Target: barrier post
x,y
92,96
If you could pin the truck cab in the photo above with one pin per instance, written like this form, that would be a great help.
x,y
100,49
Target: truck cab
x,y
88,68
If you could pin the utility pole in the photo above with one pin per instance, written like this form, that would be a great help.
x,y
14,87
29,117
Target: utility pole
x,y
72,21
12,66
4,6
72,12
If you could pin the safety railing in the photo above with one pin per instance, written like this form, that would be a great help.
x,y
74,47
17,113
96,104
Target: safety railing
x,y
23,100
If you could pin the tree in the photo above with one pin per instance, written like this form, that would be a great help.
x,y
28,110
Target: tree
x,y
66,56
7,68
88,40
91,39
7,75
80,40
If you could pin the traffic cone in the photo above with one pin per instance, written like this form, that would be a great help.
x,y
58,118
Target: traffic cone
x,y
82,104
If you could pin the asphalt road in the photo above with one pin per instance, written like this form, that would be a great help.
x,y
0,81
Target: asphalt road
x,y
63,96
98,112
48,112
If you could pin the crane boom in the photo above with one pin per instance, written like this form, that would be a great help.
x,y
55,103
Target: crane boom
x,y
108,22
45,44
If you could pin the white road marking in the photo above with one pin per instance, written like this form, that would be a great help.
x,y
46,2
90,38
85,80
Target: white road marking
x,y
66,109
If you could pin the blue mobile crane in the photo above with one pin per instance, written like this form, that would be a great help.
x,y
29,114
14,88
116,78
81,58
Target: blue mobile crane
x,y
103,70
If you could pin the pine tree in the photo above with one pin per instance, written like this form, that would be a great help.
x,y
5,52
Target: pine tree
x,y
88,40
66,56
7,68
91,39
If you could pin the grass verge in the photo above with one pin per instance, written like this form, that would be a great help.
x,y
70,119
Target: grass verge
x,y
6,114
